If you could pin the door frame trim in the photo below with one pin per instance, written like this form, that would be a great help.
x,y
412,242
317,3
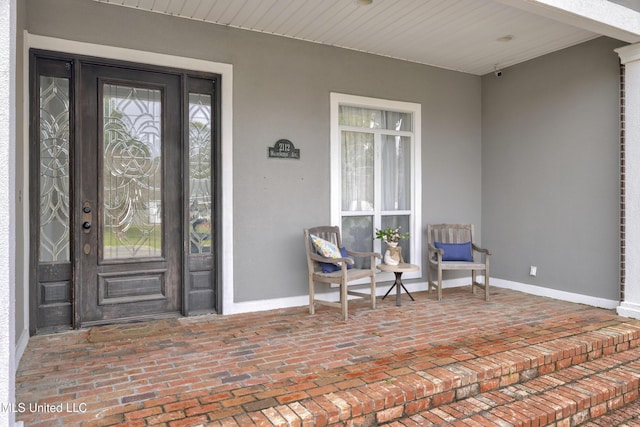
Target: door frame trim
x,y
32,41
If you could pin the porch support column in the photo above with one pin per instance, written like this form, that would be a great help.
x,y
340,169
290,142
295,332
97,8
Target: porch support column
x,y
7,207
630,305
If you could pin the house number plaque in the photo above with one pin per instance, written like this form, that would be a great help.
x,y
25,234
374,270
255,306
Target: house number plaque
x,y
284,149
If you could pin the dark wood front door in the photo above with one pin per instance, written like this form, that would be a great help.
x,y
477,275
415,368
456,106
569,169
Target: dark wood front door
x,y
124,189
130,194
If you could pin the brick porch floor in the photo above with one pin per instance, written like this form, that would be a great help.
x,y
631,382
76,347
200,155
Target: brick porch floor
x,y
515,360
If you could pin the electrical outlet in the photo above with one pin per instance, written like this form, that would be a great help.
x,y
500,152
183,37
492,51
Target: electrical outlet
x,y
533,271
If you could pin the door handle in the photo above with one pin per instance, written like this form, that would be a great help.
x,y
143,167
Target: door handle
x,y
86,225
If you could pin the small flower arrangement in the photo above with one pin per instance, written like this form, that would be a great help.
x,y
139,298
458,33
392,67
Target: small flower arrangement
x,y
392,235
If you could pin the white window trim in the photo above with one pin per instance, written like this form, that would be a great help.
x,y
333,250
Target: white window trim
x,y
337,99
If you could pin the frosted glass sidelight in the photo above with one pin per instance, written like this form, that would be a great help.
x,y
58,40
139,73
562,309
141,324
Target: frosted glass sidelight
x,y
200,173
54,169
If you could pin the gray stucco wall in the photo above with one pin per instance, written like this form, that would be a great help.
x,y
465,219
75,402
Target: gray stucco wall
x,y
550,170
281,90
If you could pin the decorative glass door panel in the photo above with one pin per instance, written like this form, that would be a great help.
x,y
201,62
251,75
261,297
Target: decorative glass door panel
x,y
132,172
131,208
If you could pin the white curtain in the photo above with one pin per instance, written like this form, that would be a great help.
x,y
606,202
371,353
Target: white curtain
x,y
396,173
357,171
374,119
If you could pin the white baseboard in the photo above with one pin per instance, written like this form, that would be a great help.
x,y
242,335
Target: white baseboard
x,y
266,304
628,309
298,301
21,345
556,294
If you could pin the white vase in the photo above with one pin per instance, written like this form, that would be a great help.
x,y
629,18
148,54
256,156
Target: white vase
x,y
392,257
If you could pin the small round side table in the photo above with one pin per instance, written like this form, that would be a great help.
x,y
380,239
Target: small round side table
x,y
398,270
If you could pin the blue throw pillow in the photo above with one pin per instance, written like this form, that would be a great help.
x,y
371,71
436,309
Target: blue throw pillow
x,y
455,251
328,267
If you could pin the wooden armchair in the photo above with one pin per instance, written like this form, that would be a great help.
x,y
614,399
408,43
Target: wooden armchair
x,y
452,247
344,273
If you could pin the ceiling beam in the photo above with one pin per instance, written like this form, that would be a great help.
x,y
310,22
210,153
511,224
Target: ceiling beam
x,y
598,16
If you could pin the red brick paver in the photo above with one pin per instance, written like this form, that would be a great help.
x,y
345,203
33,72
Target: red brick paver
x,y
285,367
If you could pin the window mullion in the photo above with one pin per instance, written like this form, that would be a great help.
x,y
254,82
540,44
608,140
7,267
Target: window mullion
x,y
377,178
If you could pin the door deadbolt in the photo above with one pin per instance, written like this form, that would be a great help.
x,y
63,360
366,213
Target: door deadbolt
x,y
86,217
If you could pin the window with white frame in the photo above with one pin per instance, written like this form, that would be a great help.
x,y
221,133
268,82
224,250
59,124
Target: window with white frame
x,y
375,172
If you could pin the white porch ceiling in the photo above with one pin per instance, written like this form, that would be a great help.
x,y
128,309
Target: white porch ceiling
x,y
462,35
